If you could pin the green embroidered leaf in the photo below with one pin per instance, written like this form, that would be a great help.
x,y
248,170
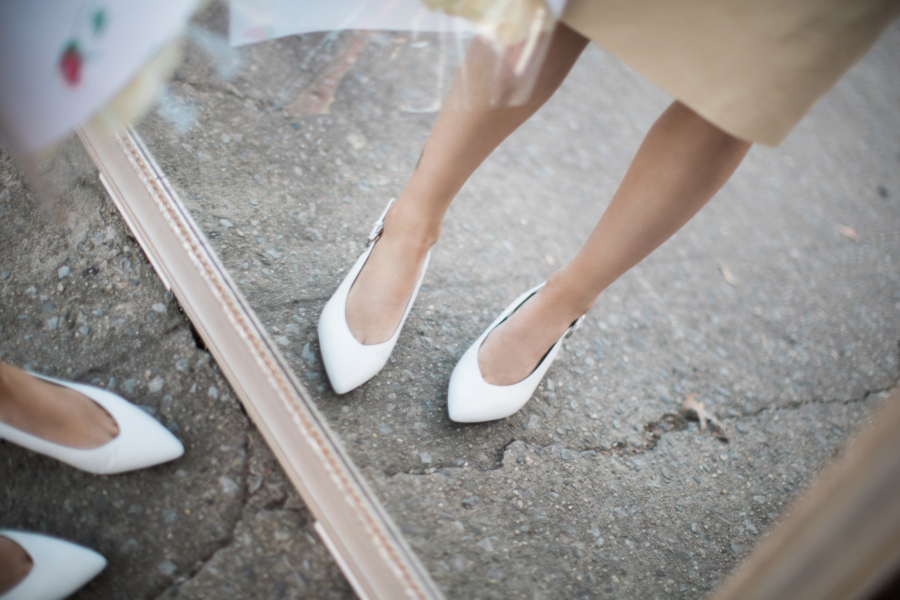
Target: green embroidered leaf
x,y
98,21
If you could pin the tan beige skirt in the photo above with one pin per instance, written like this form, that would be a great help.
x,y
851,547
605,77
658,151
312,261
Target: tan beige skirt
x,y
751,67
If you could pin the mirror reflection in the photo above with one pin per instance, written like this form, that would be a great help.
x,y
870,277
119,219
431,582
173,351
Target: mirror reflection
x,y
774,307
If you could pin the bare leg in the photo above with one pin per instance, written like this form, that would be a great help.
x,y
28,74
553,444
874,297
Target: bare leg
x,y
682,163
15,564
52,412
459,142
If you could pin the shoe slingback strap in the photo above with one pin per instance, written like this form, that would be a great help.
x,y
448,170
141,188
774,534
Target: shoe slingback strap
x,y
574,326
378,229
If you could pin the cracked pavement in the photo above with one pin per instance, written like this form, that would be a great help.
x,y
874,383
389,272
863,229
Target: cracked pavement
x,y
79,301
666,522
563,499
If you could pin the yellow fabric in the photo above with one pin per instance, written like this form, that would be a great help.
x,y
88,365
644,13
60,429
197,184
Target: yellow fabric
x,y
751,67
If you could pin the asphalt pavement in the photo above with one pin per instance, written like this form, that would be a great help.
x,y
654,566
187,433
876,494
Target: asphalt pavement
x,y
777,307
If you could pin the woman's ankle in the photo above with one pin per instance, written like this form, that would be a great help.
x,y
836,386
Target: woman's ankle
x,y
568,296
412,227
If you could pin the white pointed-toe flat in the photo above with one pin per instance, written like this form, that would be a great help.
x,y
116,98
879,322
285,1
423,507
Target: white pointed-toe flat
x,y
141,442
58,569
471,399
349,363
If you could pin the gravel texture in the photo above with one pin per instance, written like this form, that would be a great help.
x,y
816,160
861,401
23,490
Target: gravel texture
x,y
777,306
79,301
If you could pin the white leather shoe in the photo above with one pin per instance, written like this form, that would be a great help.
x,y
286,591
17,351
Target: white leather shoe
x,y
349,363
471,399
141,442
59,567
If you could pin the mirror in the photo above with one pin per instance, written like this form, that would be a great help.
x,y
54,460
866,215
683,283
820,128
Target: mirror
x,y
81,302
776,306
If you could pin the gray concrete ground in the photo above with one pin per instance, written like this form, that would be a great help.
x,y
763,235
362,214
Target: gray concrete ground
x,y
573,496
79,301
583,493
587,492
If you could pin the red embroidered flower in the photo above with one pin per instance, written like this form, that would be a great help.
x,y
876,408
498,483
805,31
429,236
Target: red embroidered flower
x,y
70,64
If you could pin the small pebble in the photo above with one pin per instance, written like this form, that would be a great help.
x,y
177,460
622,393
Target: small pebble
x,y
307,354
160,307
167,568
470,501
64,271
229,486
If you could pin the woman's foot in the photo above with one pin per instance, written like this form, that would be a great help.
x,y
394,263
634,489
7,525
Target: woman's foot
x,y
515,348
15,564
381,292
51,412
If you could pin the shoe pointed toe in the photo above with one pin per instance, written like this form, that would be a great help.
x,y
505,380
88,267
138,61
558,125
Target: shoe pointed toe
x,y
471,399
468,392
347,362
459,407
59,568
463,407
140,443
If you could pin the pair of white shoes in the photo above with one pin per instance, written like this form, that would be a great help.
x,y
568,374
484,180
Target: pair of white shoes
x,y
59,568
470,399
